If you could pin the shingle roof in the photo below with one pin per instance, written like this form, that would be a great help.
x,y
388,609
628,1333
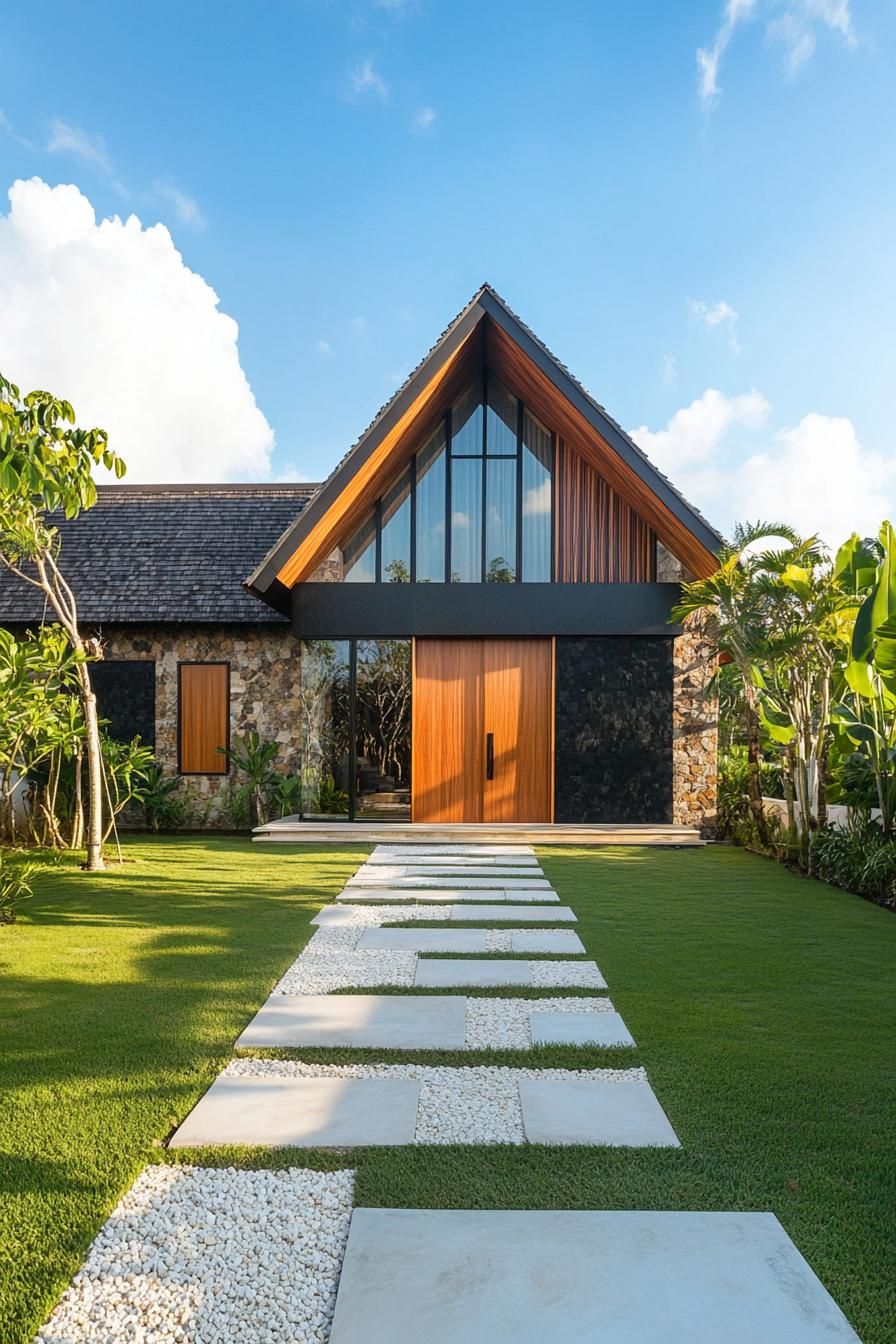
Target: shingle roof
x,y
148,554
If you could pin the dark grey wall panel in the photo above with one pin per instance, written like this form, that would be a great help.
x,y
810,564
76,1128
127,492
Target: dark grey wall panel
x,y
125,692
614,730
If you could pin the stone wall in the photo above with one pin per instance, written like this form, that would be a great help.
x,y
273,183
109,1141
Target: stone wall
x,y
694,732
264,692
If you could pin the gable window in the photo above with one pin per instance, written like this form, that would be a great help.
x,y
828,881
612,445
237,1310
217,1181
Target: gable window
x,y
474,505
203,718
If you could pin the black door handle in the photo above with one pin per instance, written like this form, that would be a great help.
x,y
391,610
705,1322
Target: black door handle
x,y
489,755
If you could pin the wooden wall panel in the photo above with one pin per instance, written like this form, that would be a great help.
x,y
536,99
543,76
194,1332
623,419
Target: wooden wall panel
x,y
203,718
518,701
599,538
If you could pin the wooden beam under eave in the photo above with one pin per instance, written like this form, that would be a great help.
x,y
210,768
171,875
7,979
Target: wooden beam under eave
x,y
385,462
549,404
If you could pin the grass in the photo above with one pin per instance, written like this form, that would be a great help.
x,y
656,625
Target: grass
x,y
761,1003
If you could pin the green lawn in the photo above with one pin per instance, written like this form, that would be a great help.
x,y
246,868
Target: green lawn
x,y
762,1005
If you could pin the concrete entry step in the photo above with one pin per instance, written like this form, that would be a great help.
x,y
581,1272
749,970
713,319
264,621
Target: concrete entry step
x,y
302,1112
290,830
398,892
569,1277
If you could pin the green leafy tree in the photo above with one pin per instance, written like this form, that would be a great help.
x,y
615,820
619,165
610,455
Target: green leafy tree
x,y
46,464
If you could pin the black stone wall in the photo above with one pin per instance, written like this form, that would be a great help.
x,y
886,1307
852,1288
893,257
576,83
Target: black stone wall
x,y
126,696
613,735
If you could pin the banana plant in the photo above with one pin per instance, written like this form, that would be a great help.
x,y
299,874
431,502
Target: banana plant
x,y
865,714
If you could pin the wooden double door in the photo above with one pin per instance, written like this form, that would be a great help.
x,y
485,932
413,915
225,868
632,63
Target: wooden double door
x,y
482,736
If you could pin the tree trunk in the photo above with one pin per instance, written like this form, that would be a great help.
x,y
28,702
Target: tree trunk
x,y
77,838
94,862
754,777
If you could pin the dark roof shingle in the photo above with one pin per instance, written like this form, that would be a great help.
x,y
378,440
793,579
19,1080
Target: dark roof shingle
x,y
146,554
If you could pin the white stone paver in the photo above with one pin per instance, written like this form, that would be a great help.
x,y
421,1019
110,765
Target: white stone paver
x,y
446,881
278,1111
430,872
564,1111
522,861
479,1104
442,974
202,1255
494,895
504,1024
565,1277
606,1029
472,940
362,1021
408,851
548,914
343,915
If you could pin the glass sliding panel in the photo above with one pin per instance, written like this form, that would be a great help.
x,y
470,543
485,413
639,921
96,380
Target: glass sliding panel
x,y
466,423
359,556
383,718
431,510
396,532
500,520
501,419
466,520
536,565
325,729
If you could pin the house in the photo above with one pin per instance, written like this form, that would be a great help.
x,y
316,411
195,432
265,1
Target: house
x,y
469,620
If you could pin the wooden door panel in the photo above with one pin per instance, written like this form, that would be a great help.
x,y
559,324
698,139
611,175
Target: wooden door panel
x,y
448,739
517,677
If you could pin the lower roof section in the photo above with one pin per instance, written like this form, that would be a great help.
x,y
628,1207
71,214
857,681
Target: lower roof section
x,y
487,610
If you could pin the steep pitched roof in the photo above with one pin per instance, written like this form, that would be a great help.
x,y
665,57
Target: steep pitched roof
x,y
267,580
168,553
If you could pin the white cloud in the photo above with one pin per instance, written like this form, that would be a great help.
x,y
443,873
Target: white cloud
x,y
91,149
7,127
720,315
722,454
669,369
186,207
107,315
325,348
791,24
425,118
366,79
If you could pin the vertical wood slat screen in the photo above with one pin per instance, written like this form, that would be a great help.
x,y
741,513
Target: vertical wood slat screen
x,y
600,538
203,718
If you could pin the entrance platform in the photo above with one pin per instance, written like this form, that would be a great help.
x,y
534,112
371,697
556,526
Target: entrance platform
x,y
293,831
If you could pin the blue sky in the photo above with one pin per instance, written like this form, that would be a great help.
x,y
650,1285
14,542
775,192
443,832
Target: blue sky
x,y
344,175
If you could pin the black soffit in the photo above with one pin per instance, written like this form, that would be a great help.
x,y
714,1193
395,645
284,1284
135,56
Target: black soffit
x,y
263,581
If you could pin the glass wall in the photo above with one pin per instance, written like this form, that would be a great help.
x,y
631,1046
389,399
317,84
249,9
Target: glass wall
x,y
473,506
355,741
325,735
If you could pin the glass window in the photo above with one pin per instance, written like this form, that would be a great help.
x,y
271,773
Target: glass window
x,y
383,719
501,423
466,423
431,510
500,520
466,520
396,525
325,728
536,564
359,556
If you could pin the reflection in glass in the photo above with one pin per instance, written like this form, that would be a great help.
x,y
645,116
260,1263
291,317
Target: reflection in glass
x,y
431,510
536,564
396,532
324,730
500,431
500,520
466,520
383,719
466,423
359,556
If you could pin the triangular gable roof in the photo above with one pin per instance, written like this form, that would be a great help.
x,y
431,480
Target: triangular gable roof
x,y
677,523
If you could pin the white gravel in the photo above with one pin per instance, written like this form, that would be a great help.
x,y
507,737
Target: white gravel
x,y
457,1105
498,940
560,974
211,1256
503,1024
322,973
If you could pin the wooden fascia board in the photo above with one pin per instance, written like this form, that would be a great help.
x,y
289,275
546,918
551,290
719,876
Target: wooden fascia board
x,y
323,523
692,543
615,456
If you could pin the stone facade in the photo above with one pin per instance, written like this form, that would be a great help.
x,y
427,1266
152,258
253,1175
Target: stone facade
x,y
695,737
264,693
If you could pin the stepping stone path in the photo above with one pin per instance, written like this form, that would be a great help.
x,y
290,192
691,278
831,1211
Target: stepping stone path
x,y
180,1253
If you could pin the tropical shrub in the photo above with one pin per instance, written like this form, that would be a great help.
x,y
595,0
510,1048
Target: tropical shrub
x,y
164,807
15,885
858,858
